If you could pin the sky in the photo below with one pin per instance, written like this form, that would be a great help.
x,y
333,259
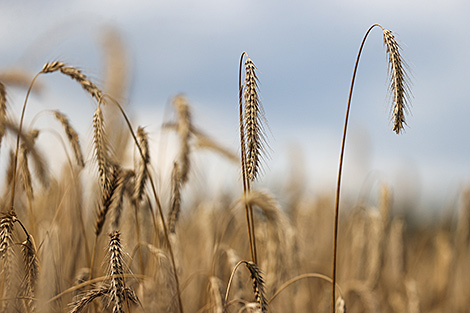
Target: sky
x,y
305,53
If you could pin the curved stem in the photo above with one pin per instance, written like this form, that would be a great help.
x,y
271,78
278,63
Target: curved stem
x,y
340,170
300,277
20,129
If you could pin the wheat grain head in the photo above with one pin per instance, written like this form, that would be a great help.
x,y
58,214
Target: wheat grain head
x,y
253,117
399,86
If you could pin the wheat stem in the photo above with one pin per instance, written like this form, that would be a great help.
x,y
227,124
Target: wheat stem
x,y
246,184
399,88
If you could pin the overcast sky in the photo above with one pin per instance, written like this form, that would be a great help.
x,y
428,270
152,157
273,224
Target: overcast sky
x,y
305,53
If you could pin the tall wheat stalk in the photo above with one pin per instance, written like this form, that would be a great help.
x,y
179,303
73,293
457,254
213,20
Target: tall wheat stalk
x,y
251,139
400,90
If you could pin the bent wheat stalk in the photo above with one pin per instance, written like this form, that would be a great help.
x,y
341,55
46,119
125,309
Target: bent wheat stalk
x,y
400,90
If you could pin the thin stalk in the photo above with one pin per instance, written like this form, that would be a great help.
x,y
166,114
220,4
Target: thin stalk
x,y
20,129
340,170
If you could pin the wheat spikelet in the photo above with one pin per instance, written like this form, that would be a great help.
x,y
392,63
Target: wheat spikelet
x,y
252,120
31,263
398,80
6,254
114,287
88,298
184,127
116,268
141,177
101,148
258,285
108,199
74,74
72,137
175,201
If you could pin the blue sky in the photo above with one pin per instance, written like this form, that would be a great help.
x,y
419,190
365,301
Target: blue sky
x,y
305,53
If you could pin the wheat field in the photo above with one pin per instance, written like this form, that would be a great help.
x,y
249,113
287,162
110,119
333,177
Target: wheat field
x,y
107,232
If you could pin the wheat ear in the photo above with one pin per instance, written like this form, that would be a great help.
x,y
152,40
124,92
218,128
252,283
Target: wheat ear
x,y
399,88
88,298
116,267
72,136
6,253
253,121
31,263
175,201
257,280
101,148
75,74
258,285
110,198
251,138
184,131
141,173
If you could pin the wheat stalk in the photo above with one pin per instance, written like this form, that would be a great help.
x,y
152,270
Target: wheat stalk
x,y
3,110
399,88
251,138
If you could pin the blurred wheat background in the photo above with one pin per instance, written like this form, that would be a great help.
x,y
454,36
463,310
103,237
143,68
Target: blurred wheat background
x,y
172,66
